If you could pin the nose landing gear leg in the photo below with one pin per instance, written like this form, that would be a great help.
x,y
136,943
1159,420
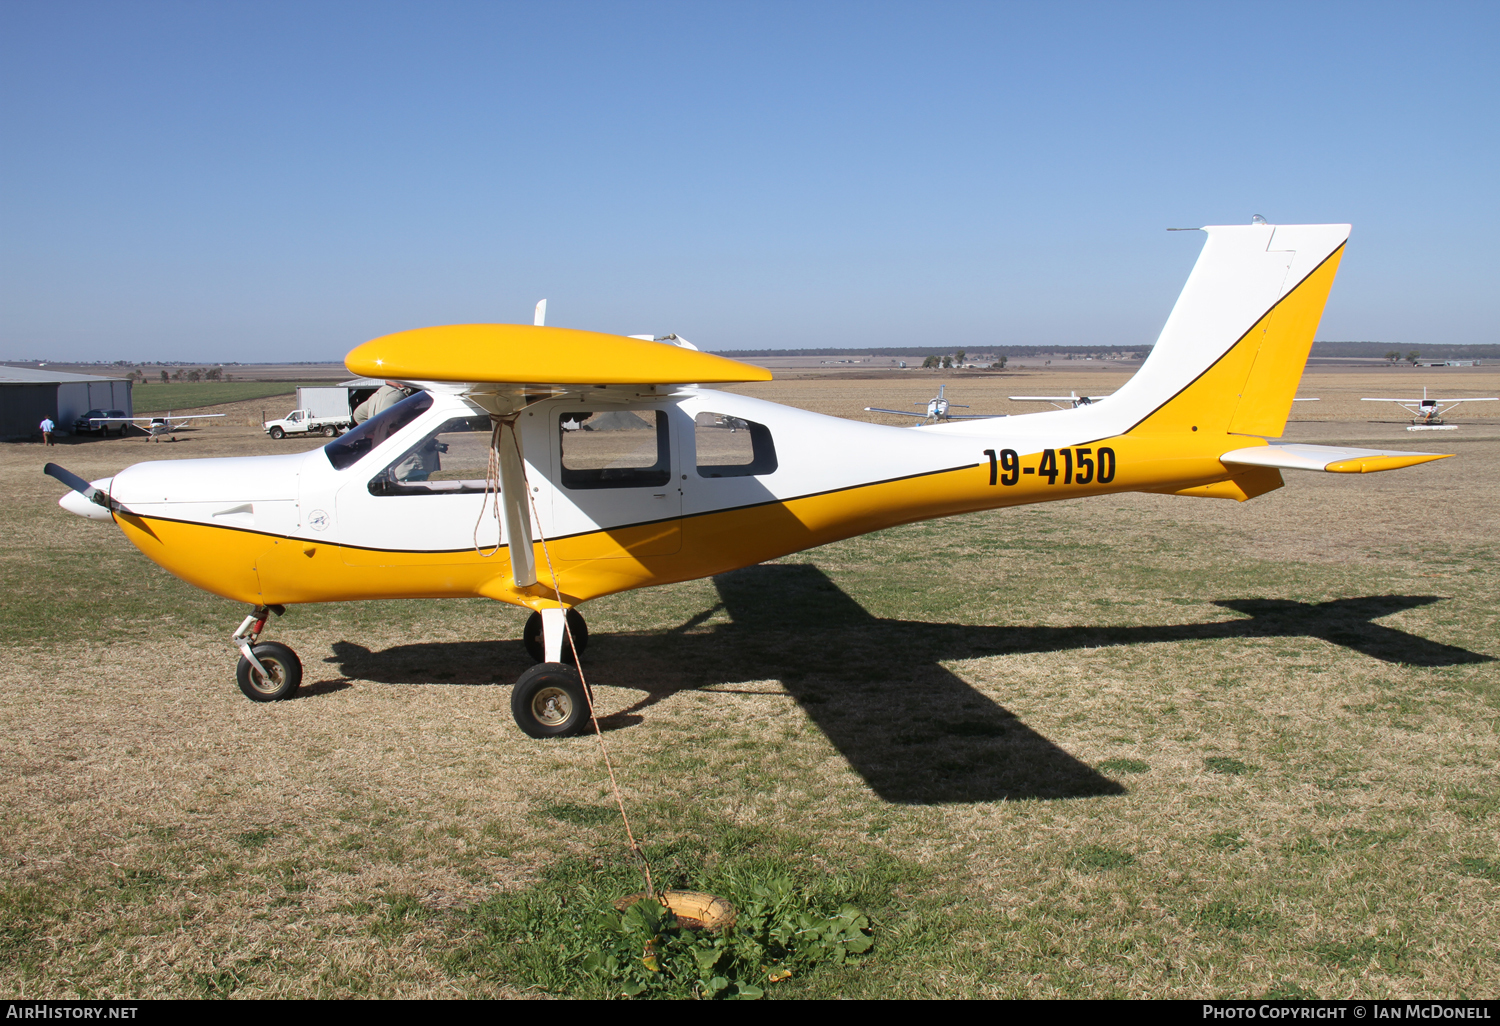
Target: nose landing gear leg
x,y
267,670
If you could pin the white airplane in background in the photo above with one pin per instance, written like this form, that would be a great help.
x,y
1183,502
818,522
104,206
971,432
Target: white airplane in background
x,y
1427,414
155,427
937,411
1073,399
477,486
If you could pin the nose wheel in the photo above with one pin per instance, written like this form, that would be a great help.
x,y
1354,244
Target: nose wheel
x,y
267,670
279,676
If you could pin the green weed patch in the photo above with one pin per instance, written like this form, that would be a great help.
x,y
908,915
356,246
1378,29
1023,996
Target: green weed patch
x,y
1124,766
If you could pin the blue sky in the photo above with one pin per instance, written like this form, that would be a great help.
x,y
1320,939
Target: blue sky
x,y
265,181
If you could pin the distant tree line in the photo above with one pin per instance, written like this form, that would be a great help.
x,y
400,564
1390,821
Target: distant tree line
x,y
191,374
1374,350
940,352
956,360
1384,350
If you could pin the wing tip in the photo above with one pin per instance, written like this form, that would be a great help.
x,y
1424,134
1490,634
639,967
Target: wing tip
x,y
1375,464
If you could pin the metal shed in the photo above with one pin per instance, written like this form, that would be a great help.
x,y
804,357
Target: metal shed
x,y
29,394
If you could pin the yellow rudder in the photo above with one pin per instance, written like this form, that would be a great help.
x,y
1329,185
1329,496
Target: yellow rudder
x,y
1249,390
1265,400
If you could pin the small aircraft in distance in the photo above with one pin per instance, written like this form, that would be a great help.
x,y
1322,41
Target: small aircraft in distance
x,y
155,427
937,411
546,467
1073,399
1427,414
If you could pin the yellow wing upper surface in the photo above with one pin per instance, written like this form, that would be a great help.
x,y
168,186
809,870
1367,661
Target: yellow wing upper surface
x,y
524,354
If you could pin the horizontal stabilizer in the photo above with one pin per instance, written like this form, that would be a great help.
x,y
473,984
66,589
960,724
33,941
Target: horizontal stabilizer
x,y
525,354
1331,458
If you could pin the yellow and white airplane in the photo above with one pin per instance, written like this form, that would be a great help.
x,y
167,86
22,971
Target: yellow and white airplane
x,y
546,467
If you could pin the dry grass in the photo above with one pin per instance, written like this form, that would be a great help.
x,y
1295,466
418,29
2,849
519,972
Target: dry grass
x,y
1133,746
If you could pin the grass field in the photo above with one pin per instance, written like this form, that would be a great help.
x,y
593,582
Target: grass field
x,y
1135,746
178,396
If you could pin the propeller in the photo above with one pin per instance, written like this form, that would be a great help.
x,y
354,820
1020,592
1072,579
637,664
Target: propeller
x,y
91,494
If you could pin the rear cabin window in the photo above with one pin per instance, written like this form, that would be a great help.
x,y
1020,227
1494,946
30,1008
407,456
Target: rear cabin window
x,y
731,447
614,449
349,449
453,460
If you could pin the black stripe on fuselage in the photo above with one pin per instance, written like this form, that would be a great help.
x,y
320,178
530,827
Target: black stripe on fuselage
x,y
580,534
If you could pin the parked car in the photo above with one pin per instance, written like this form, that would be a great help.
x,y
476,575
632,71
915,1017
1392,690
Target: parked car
x,y
85,425
303,422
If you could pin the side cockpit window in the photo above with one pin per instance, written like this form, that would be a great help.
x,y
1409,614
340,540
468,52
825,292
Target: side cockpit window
x,y
452,460
615,449
345,451
732,447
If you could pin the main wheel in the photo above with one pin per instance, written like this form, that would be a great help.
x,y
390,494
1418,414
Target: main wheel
x,y
548,701
277,433
531,636
281,663
329,431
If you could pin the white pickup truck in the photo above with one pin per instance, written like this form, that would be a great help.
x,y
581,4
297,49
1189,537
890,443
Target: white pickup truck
x,y
302,422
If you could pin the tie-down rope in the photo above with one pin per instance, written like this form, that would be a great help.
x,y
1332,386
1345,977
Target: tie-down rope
x,y
492,486
588,693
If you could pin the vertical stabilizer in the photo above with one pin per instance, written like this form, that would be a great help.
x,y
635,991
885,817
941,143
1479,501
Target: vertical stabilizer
x,y
1233,350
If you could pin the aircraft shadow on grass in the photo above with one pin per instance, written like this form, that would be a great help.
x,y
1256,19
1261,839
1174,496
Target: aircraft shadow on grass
x,y
916,732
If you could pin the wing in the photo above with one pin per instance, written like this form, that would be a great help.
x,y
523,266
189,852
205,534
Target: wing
x,y
529,355
193,416
896,413
503,367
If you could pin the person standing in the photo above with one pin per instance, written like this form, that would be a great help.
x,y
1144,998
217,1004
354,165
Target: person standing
x,y
385,397
47,428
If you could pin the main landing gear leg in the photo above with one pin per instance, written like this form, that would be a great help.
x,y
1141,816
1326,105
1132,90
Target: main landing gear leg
x,y
267,670
538,641
549,699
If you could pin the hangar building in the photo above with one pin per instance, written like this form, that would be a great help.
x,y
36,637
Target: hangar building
x,y
27,395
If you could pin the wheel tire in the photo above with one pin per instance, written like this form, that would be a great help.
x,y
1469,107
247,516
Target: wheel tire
x,y
285,669
531,637
329,431
277,433
548,701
